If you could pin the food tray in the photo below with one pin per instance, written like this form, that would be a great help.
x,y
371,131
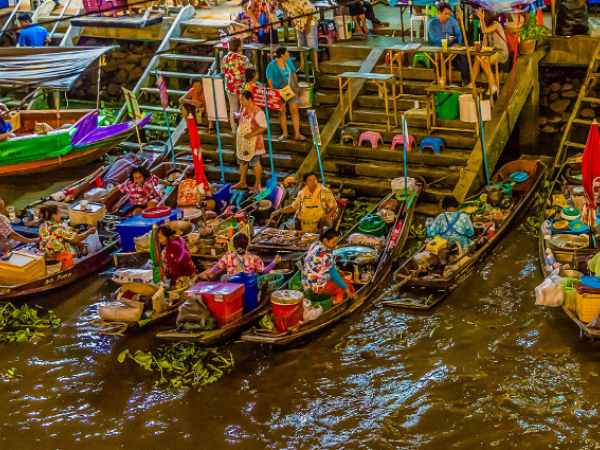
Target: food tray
x,y
280,239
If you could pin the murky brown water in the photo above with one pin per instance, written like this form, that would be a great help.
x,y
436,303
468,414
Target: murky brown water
x,y
469,376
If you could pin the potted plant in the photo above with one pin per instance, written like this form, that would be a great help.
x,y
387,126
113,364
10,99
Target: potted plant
x,y
531,33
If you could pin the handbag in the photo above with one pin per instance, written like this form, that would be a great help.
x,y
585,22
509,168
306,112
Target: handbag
x,y
287,93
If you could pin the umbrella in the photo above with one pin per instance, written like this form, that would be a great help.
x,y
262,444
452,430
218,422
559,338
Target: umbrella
x,y
590,168
197,152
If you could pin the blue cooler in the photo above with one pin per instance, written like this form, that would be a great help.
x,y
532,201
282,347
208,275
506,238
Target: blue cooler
x,y
139,225
250,282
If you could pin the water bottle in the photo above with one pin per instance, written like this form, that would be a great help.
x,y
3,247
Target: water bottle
x,y
550,259
224,38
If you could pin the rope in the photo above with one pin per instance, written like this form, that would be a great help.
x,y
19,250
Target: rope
x,y
460,174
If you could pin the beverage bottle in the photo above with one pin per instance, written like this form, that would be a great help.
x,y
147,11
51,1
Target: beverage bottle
x,y
224,38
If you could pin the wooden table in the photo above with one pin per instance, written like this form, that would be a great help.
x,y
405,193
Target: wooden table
x,y
431,109
382,80
483,57
397,54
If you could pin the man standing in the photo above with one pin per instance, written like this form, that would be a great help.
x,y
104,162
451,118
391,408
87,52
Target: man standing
x,y
31,35
445,27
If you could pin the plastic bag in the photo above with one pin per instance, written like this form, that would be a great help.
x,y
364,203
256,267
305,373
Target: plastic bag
x,y
124,276
311,312
550,292
122,311
193,311
93,243
142,243
594,23
572,18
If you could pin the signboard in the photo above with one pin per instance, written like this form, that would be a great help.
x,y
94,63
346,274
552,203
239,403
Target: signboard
x,y
314,126
162,89
273,97
215,99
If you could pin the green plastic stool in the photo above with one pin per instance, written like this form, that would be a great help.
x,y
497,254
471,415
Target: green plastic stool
x,y
421,57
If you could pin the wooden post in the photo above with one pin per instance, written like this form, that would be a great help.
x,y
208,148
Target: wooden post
x,y
529,117
553,12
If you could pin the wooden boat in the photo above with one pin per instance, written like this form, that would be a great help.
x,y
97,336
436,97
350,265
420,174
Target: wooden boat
x,y
422,290
568,179
76,139
81,269
364,291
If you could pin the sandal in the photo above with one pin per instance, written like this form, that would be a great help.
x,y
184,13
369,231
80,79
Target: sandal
x,y
282,138
300,138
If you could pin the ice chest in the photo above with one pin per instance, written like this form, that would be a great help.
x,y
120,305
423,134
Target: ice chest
x,y
136,226
88,216
21,268
223,300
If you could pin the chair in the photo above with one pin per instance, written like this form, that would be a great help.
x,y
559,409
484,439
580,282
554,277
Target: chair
x,y
399,139
349,134
372,136
419,18
435,144
326,32
421,57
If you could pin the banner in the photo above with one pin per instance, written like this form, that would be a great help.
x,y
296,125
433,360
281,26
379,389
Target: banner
x,y
273,97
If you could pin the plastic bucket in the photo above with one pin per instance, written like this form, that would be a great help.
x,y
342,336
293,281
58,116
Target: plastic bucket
x,y
468,113
343,32
447,105
305,94
324,300
285,316
250,282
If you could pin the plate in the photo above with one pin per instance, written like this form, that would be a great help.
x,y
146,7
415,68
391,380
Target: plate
x,y
561,225
578,190
569,242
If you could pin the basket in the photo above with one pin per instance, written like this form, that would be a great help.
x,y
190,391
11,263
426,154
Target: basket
x,y
273,280
587,306
324,300
90,216
569,292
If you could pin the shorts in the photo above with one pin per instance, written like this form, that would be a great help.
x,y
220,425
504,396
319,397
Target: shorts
x,y
255,161
355,8
268,37
310,40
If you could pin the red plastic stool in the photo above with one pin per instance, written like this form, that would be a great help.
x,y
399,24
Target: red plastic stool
x,y
371,136
399,139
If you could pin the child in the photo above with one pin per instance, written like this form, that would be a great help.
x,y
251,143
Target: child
x,y
251,79
177,258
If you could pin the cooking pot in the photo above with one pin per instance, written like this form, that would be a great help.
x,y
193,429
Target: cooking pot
x,y
495,194
182,227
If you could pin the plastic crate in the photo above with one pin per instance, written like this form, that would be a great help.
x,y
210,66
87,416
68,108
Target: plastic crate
x,y
587,306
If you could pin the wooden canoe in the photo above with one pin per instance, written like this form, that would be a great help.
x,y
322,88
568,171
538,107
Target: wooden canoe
x,y
347,306
424,292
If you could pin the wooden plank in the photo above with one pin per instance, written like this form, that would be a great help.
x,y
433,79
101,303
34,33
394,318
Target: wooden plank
x,y
367,76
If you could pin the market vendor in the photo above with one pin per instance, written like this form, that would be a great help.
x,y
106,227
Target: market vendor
x,y
319,273
452,225
240,260
141,188
57,239
315,206
7,235
178,261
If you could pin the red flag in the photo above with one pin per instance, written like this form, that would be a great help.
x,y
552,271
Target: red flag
x,y
197,153
590,169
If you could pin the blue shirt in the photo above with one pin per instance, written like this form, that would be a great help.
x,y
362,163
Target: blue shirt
x,y
279,76
438,31
453,226
33,36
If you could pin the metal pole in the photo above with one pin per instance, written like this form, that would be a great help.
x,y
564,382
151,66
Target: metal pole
x,y
169,133
218,132
269,132
485,166
405,133
319,156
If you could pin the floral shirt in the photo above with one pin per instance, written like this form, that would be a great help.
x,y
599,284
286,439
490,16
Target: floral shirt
x,y
54,237
262,7
235,263
234,68
296,8
453,226
141,195
6,243
315,273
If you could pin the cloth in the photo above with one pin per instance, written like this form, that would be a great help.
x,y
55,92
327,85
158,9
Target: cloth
x,y
337,278
280,76
271,37
234,67
297,8
257,120
5,127
54,237
594,264
234,108
255,161
141,195
178,261
335,290
66,259
369,13
315,273
322,199
322,225
453,226
33,36
461,63
6,242
310,40
236,263
438,31
498,42
187,195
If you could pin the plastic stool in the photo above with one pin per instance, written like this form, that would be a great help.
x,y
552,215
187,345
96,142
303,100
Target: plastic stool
x,y
399,139
372,136
435,144
419,18
349,134
421,57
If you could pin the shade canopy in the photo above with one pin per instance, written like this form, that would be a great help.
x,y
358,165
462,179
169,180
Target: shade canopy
x,y
54,68
497,6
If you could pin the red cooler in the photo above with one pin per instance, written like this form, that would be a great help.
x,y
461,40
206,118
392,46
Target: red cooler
x,y
223,300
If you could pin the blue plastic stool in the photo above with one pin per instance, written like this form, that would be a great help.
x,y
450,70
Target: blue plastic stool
x,y
435,144
421,57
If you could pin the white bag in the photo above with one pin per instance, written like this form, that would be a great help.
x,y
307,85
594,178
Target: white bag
x,y
550,292
124,276
398,184
142,243
594,23
93,243
122,311
310,312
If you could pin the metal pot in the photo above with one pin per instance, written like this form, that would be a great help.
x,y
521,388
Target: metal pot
x,y
495,194
183,227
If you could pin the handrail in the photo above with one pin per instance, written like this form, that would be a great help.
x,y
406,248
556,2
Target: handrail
x,y
11,17
60,17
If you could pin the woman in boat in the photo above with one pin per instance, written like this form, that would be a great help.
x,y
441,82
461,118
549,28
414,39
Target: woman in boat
x,y
7,235
452,225
57,239
141,188
320,274
178,261
315,204
240,260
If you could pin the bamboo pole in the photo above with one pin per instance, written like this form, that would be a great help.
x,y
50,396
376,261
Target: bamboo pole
x,y
553,12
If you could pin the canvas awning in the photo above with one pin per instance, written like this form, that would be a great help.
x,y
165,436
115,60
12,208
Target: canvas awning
x,y
54,68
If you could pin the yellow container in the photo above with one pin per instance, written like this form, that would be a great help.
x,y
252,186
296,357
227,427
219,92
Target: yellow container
x,y
587,306
92,213
21,268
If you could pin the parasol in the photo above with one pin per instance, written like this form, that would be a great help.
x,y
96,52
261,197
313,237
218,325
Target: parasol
x,y
197,153
590,169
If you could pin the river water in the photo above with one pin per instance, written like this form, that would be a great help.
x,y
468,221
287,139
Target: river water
x,y
486,368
